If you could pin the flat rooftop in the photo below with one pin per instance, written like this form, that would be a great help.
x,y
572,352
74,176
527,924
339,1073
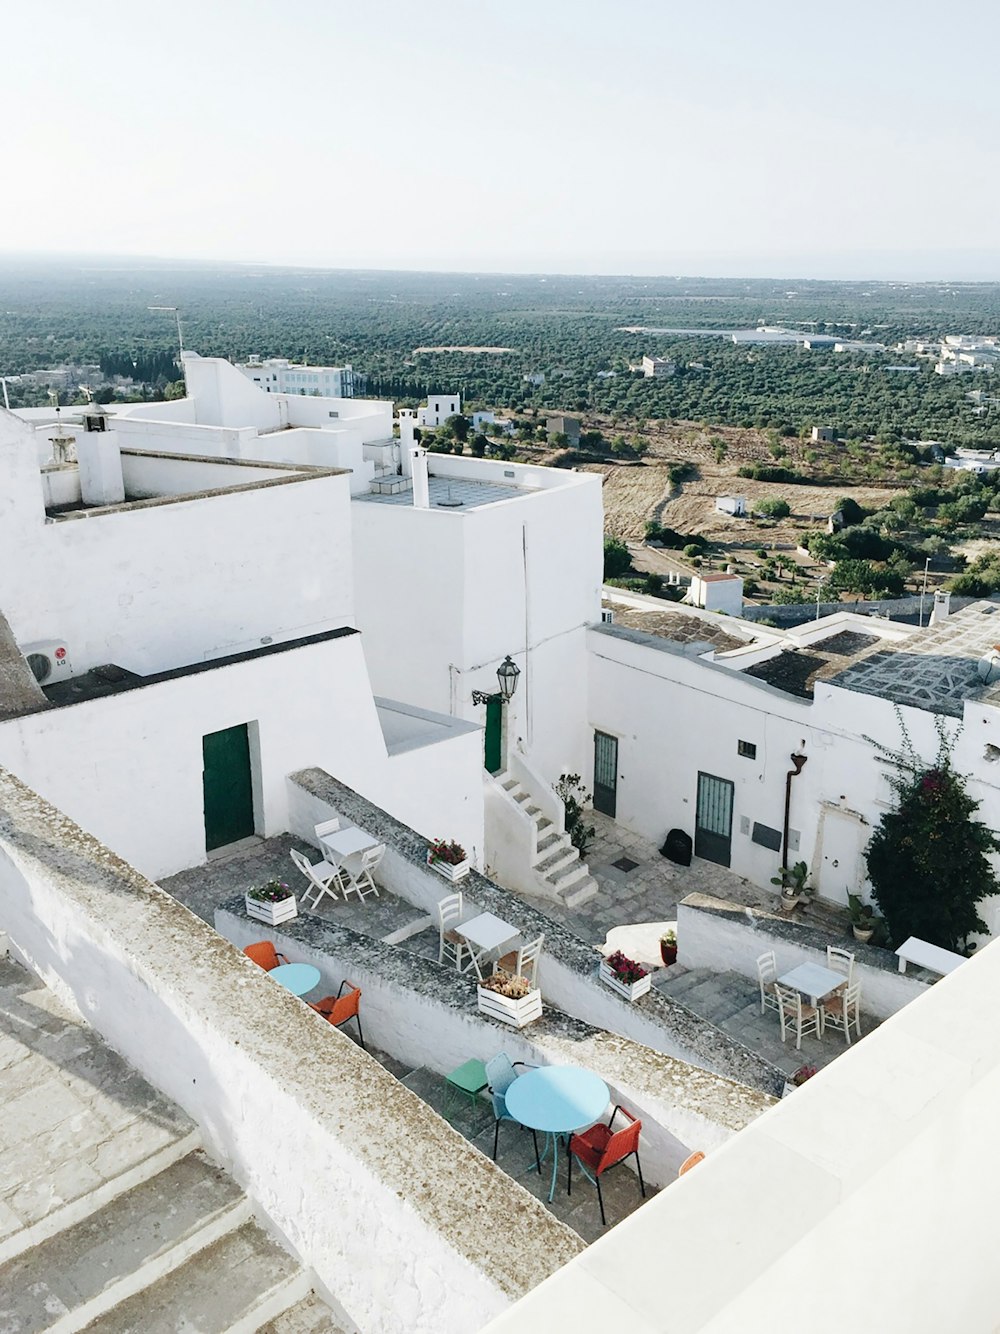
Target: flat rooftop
x,y
936,670
796,670
680,627
452,493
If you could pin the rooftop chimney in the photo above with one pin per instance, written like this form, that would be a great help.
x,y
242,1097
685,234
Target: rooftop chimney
x,y
421,480
942,607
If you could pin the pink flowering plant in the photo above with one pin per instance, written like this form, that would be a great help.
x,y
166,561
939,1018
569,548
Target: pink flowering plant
x,y
626,969
803,1073
451,853
275,891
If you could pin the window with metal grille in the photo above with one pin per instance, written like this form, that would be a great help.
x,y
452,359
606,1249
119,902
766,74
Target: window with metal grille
x,y
747,749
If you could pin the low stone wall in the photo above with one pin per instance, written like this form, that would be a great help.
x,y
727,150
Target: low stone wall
x,y
322,1138
727,937
569,965
424,1014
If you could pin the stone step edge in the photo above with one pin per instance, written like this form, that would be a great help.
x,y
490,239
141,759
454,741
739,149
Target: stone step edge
x,y
151,1271
58,1220
281,1298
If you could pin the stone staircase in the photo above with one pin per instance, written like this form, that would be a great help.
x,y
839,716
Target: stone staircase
x,y
556,863
112,1218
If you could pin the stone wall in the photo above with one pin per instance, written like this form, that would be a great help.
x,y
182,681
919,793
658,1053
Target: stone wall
x,y
424,1014
569,964
320,1136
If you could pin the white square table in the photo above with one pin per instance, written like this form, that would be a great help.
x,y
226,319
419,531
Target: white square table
x,y
483,935
813,980
344,843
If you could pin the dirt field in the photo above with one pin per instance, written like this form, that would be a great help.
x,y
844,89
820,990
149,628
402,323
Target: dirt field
x,y
633,495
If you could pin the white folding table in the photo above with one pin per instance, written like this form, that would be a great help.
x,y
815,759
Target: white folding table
x,y
483,935
343,843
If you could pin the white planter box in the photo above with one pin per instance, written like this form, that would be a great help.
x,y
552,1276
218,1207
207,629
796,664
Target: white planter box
x,y
514,1012
631,991
451,873
272,913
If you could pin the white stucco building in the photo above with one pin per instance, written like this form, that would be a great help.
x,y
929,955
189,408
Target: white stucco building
x,y
438,409
277,375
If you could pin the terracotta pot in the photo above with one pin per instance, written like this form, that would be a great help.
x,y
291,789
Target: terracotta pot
x,y
668,953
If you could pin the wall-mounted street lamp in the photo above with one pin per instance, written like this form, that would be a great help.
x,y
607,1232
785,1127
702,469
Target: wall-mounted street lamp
x,y
507,674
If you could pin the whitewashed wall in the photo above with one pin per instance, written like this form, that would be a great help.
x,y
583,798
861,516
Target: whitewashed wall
x,y
128,767
463,589
710,941
320,1136
128,586
892,1145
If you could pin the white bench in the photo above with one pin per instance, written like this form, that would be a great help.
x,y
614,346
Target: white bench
x,y
926,955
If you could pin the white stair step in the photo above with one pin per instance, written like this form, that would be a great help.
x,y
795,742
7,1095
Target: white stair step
x,y
310,1316
579,892
557,860
232,1287
567,873
140,1152
548,844
77,1276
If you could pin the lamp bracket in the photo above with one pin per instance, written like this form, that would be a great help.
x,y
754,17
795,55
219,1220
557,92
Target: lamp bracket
x,y
484,696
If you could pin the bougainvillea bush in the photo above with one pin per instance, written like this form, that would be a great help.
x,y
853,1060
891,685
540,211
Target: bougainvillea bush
x,y
929,859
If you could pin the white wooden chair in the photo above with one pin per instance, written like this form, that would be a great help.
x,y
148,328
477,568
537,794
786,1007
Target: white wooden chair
x,y
795,1017
767,973
840,961
843,1009
522,962
357,872
451,946
326,827
322,877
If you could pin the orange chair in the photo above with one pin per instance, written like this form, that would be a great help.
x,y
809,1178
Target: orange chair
x,y
691,1161
338,1009
600,1148
264,953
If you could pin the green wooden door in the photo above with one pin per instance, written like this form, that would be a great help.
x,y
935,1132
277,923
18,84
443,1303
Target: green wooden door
x,y
493,757
228,786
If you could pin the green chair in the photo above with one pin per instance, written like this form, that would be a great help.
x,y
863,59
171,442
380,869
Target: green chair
x,y
467,1081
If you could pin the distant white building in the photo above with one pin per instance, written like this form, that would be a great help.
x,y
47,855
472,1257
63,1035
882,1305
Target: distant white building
x,y
656,367
734,505
823,435
716,592
277,375
438,409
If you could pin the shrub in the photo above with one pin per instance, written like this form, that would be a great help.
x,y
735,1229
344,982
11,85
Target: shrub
x,y
617,560
692,549
773,508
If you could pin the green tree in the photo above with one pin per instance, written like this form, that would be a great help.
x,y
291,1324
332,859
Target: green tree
x,y
772,507
617,560
929,859
458,426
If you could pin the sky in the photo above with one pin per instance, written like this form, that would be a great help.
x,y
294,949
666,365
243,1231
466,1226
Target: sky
x,y
779,138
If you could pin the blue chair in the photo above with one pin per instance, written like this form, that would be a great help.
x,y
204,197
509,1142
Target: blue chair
x,y
500,1074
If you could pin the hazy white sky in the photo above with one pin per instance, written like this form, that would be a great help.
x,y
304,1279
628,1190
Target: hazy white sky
x,y
783,137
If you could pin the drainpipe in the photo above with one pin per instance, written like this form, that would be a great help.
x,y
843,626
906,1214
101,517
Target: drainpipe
x,y
798,761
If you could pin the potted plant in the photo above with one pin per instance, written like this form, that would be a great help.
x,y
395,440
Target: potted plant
x,y
271,903
448,859
800,1076
625,976
792,880
668,947
863,919
511,999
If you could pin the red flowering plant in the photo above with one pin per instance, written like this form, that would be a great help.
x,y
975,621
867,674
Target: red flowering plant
x,y
930,861
451,853
624,968
803,1073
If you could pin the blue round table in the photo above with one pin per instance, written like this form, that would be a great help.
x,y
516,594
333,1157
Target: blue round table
x,y
557,1099
298,978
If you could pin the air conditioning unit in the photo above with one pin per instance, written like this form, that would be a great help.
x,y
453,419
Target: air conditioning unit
x,y
49,662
